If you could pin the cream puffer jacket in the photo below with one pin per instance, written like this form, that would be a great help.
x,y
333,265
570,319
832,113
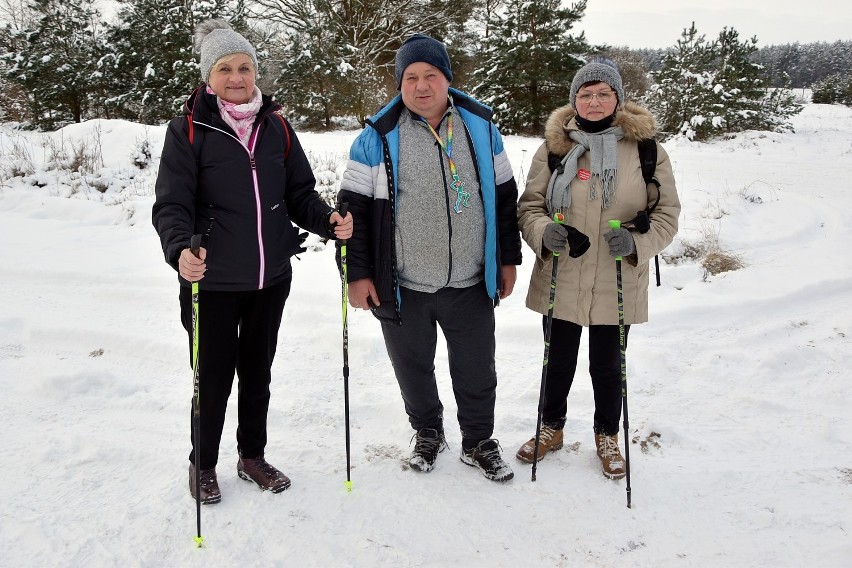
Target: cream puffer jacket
x,y
586,291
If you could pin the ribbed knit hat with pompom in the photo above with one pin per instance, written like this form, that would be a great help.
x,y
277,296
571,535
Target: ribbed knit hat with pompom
x,y
215,39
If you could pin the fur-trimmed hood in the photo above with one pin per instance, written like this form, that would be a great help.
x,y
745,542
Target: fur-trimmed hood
x,y
637,122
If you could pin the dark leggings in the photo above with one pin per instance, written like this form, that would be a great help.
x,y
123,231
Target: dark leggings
x,y
238,332
604,368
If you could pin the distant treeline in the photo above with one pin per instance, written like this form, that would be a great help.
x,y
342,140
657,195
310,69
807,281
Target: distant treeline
x,y
804,64
331,62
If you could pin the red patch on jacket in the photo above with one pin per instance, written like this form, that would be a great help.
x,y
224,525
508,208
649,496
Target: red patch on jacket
x,y
584,174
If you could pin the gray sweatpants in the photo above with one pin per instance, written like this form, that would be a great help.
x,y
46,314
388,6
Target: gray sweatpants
x,y
466,317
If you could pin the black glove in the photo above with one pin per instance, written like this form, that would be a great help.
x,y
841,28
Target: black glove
x,y
557,237
302,237
578,243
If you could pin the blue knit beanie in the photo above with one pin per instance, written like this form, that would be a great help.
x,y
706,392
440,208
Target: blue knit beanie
x,y
598,69
423,48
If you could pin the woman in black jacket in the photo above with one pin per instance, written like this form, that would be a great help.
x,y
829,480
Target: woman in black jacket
x,y
233,171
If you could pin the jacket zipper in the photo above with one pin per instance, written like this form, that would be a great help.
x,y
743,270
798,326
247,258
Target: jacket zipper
x,y
253,164
449,217
260,248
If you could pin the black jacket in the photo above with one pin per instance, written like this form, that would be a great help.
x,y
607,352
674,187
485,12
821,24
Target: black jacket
x,y
242,202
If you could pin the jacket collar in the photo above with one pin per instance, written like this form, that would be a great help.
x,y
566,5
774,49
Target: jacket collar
x,y
637,122
386,119
202,107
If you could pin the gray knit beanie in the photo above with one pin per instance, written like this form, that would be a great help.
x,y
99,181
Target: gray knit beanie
x,y
598,69
423,48
214,39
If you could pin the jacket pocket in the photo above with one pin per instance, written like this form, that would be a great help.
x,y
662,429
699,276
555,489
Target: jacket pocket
x,y
286,233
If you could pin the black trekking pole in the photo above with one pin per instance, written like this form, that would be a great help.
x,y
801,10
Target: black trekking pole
x,y
194,246
558,218
344,207
622,343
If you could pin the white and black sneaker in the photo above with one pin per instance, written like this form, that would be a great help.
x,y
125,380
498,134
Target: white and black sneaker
x,y
486,456
429,443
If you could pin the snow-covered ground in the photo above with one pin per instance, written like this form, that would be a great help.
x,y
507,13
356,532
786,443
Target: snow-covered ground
x,y
738,389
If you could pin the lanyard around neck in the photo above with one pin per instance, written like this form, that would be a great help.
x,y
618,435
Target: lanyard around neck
x,y
462,196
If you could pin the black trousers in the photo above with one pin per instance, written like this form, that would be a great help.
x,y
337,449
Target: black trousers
x,y
604,368
238,332
466,317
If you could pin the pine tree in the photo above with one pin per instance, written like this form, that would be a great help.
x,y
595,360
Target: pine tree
x,y
528,62
683,97
151,67
15,15
459,36
55,63
778,106
307,83
739,83
707,89
834,89
344,58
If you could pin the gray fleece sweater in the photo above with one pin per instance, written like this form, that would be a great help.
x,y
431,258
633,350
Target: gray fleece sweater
x,y
435,246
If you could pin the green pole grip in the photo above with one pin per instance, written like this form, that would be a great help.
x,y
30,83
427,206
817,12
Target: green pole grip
x,y
615,224
558,218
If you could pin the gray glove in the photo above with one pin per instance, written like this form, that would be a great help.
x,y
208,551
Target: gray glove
x,y
620,242
555,238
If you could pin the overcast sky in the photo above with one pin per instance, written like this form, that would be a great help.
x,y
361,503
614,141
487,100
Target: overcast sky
x,y
659,23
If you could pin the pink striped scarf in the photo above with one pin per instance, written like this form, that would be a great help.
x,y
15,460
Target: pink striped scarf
x,y
240,117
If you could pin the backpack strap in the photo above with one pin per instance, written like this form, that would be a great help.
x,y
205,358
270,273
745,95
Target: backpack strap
x,y
554,161
196,140
648,160
190,125
286,134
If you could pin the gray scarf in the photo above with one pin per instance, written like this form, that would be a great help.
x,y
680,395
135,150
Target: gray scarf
x,y
603,158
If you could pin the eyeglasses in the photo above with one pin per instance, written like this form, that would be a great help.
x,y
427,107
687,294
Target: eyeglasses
x,y
603,97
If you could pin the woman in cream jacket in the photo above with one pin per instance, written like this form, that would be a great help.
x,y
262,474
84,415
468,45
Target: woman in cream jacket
x,y
589,170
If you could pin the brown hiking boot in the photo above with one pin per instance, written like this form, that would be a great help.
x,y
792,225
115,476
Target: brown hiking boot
x,y
209,485
261,472
612,463
549,440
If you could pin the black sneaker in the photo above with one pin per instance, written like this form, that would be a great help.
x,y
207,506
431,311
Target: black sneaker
x,y
430,442
486,456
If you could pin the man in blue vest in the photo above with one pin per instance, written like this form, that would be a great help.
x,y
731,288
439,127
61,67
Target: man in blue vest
x,y
436,243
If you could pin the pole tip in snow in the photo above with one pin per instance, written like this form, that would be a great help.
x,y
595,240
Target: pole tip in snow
x,y
198,540
348,485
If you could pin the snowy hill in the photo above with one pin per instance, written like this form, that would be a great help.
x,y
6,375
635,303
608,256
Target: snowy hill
x,y
738,387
